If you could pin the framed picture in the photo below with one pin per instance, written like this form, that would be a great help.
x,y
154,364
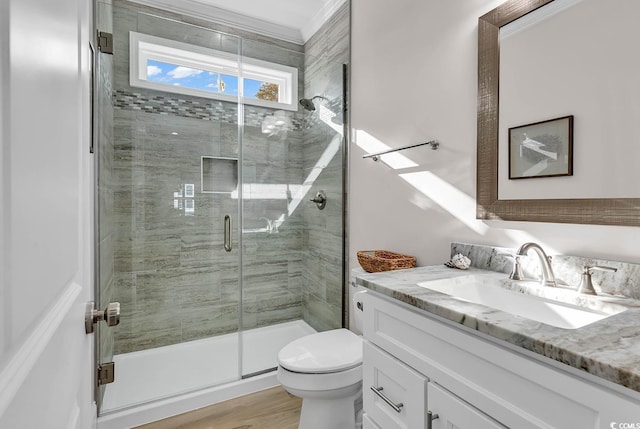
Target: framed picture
x,y
541,149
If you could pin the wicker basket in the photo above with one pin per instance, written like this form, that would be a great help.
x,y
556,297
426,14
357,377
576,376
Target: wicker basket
x,y
375,261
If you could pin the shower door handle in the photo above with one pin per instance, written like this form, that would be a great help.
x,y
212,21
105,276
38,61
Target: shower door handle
x,y
227,233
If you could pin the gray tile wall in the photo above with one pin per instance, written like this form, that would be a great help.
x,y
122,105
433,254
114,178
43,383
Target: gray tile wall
x,y
272,262
174,280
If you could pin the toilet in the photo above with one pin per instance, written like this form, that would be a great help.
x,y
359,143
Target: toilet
x,y
325,370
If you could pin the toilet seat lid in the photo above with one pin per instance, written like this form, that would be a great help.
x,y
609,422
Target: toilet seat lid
x,y
324,352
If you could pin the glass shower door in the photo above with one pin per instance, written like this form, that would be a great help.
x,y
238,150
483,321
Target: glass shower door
x,y
104,178
168,213
292,258
206,235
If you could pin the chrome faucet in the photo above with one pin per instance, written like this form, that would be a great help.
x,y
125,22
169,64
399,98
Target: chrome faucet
x,y
548,278
269,224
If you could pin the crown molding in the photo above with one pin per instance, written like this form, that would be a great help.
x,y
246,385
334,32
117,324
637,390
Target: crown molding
x,y
221,16
320,18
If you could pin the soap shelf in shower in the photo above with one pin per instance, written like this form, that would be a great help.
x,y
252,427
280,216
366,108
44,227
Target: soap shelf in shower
x,y
376,156
218,174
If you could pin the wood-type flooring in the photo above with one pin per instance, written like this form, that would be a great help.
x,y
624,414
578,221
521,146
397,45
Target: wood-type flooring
x,y
269,409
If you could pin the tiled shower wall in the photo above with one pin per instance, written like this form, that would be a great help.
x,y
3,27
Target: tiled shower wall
x,y
173,278
326,52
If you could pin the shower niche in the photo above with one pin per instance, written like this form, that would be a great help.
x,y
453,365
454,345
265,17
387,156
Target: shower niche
x,y
218,175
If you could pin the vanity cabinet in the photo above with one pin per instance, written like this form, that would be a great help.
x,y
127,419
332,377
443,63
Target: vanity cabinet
x,y
397,397
425,363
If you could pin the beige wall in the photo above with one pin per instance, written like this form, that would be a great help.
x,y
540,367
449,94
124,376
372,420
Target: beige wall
x,y
414,66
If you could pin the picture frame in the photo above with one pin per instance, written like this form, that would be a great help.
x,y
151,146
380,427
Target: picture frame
x,y
541,149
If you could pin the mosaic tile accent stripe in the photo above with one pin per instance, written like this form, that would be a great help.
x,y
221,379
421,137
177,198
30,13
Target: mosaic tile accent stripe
x,y
193,108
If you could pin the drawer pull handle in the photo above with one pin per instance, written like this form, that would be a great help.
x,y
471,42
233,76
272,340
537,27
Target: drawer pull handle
x,y
430,418
396,407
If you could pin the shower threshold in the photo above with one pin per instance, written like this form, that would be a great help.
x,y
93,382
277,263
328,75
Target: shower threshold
x,y
163,372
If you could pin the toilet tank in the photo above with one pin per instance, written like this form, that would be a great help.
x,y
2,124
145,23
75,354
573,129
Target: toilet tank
x,y
355,293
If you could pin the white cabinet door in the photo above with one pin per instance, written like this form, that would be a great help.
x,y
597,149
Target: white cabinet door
x,y
454,413
45,223
394,394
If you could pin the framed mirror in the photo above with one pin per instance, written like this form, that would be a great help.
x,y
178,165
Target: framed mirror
x,y
605,208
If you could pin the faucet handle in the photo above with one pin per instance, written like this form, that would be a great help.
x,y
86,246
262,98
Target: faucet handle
x,y
588,268
269,228
586,286
516,271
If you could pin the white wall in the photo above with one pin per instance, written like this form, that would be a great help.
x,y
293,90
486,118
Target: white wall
x,y
414,73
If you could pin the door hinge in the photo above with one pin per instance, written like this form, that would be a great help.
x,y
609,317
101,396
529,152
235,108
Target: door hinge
x,y
106,373
105,42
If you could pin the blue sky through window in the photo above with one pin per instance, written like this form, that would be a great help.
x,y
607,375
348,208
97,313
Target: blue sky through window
x,y
251,87
171,74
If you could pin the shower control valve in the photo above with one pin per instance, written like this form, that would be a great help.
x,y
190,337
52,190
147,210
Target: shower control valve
x,y
320,199
111,315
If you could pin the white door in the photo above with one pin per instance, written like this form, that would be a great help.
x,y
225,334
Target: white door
x,y
451,412
45,216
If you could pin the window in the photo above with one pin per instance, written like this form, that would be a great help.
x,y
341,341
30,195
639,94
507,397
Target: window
x,y
167,65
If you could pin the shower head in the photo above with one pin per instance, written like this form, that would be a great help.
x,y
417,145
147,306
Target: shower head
x,y
307,103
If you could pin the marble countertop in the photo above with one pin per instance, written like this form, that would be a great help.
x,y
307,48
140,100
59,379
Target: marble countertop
x,y
609,348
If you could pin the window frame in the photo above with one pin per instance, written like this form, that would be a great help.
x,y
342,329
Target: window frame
x,y
144,47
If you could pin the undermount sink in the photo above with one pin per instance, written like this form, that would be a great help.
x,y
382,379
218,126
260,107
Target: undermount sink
x,y
493,291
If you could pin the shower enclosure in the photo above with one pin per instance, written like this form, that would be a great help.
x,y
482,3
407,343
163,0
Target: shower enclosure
x,y
205,168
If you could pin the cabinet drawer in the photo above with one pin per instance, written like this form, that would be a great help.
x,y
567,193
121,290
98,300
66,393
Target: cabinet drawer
x,y
367,423
453,412
394,394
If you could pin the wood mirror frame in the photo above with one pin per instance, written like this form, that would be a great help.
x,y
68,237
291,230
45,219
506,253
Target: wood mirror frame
x,y
599,211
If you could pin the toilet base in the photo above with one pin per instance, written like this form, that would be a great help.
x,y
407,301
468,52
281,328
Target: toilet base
x,y
344,412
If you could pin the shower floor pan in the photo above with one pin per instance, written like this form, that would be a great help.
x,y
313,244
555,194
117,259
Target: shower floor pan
x,y
168,371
